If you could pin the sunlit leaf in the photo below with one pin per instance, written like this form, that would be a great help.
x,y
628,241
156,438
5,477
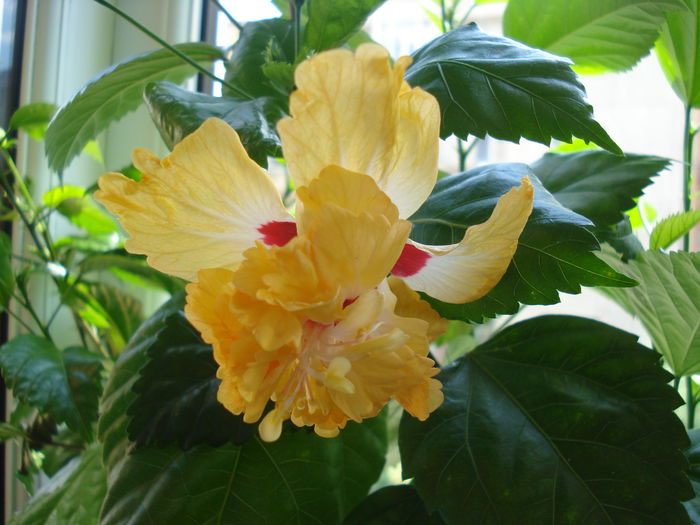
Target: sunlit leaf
x,y
492,85
597,36
332,22
114,93
559,420
667,302
33,118
673,228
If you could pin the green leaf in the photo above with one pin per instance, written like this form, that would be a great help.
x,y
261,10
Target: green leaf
x,y
178,112
555,420
493,85
394,505
72,497
301,478
64,384
332,22
598,36
673,228
123,311
260,43
10,431
621,237
114,93
7,277
33,118
118,394
678,52
597,184
177,389
554,251
80,209
667,302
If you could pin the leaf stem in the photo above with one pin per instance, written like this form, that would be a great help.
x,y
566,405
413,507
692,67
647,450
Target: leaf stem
x,y
295,11
688,136
173,49
228,15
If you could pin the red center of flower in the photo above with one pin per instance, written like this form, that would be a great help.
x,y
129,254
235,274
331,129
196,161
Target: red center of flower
x,y
277,233
410,262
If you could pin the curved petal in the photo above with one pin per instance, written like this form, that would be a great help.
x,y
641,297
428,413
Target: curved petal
x,y
356,112
464,272
200,207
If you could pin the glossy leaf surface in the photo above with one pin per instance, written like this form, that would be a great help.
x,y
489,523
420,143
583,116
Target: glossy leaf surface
x,y
496,86
65,384
554,420
332,22
178,112
555,251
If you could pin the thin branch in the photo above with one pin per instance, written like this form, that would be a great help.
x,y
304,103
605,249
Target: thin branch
x,y
228,15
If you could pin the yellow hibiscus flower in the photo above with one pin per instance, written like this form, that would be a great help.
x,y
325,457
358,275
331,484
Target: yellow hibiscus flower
x,y
318,311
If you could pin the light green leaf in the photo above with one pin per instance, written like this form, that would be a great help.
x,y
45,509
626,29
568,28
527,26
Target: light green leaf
x,y
7,277
597,35
64,384
33,118
332,22
678,51
667,302
492,85
72,497
556,420
673,228
78,208
113,94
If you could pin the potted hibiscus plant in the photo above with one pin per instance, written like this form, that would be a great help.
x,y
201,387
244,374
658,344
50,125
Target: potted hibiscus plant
x,y
302,347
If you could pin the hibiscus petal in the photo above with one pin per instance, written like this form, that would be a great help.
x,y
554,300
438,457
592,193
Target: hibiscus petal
x,y
355,111
464,272
200,207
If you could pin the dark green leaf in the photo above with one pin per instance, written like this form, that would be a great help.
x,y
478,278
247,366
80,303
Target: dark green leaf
x,y
554,251
64,384
7,278
177,393
10,431
678,51
111,95
33,118
332,22
555,420
597,184
673,228
72,497
621,237
395,505
667,302
124,312
260,43
302,478
178,112
493,85
598,36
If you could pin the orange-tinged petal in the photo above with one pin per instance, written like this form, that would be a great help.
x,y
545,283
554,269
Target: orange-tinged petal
x,y
466,271
200,207
409,304
355,111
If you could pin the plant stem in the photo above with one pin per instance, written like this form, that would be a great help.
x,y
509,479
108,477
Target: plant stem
x,y
172,49
690,400
676,382
688,136
443,16
295,12
228,15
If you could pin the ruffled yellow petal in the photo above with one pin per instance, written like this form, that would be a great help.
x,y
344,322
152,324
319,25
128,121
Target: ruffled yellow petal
x,y
464,272
355,111
409,304
200,207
